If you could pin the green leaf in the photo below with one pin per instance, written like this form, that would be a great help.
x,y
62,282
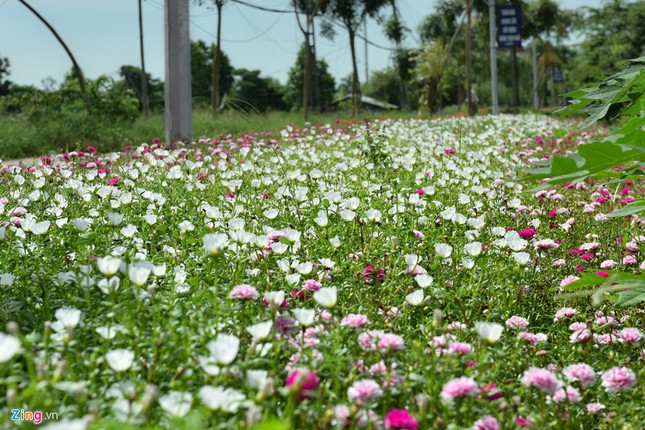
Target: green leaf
x,y
632,296
632,208
272,424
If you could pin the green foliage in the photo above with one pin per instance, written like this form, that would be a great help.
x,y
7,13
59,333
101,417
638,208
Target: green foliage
x,y
258,93
201,70
131,76
620,95
4,72
626,289
611,33
323,92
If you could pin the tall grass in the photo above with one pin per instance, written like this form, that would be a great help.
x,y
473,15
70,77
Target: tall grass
x,y
20,137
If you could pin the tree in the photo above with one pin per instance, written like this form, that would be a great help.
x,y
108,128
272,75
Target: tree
x,y
4,71
201,67
295,89
395,31
310,8
77,69
145,105
132,78
351,14
254,92
614,33
216,69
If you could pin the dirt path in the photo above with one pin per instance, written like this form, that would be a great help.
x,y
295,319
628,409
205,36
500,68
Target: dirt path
x,y
29,162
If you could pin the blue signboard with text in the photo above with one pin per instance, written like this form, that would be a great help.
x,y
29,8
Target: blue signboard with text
x,y
509,26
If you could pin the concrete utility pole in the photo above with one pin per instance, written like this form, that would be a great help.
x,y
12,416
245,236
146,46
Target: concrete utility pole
x,y
178,98
492,29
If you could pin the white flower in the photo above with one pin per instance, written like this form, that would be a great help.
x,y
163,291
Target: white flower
x,y
176,403
326,297
304,316
109,285
129,230
274,299
514,241
270,213
108,265
412,260
108,332
347,214
214,244
261,330
304,268
473,248
521,258
415,298
335,242
138,274
226,399
424,280
490,332
373,215
6,279
9,346
120,359
40,227
467,262
80,224
115,218
321,219
443,250
224,349
256,378
186,225
279,247
68,317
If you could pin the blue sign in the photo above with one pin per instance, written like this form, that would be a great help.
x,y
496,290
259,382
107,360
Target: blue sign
x,y
509,26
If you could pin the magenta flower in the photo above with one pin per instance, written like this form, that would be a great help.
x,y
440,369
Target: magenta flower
x,y
370,274
304,383
618,379
400,419
527,233
243,292
459,387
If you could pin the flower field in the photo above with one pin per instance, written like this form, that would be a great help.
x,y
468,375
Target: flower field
x,y
391,276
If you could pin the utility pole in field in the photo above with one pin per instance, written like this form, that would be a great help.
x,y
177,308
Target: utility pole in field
x,y
178,102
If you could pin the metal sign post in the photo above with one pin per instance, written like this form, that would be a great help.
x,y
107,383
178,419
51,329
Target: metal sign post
x,y
178,98
493,56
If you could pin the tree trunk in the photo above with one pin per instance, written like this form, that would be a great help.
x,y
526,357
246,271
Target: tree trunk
x,y
217,60
356,90
144,79
469,87
77,69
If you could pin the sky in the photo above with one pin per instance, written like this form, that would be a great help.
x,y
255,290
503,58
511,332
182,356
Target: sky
x,y
103,36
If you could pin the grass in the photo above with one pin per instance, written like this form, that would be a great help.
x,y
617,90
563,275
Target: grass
x,y
64,132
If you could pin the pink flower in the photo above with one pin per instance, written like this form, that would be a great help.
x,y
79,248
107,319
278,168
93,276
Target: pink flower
x,y
629,260
114,181
630,335
580,336
486,423
618,379
546,244
449,151
568,280
516,323
565,313
567,394
311,285
243,292
459,387
541,379
583,373
418,234
593,408
354,320
400,419
603,274
390,341
491,392
460,348
303,382
532,338
363,390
